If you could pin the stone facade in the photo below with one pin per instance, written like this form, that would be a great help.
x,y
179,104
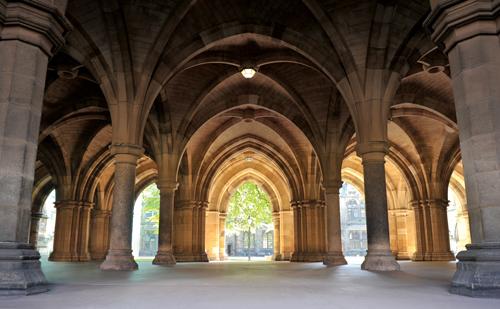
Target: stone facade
x,y
398,98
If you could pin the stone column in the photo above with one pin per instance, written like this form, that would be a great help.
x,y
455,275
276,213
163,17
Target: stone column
x,y
277,237
422,229
83,242
286,234
202,222
98,232
297,232
212,231
468,34
222,237
120,249
63,231
165,254
379,255
35,224
334,255
75,231
30,32
440,231
402,234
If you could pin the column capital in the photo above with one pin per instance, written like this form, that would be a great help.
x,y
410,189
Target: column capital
x,y
34,22
399,212
167,186
295,205
223,215
332,186
36,215
453,21
312,203
436,203
126,153
87,205
66,204
276,215
99,213
415,203
373,151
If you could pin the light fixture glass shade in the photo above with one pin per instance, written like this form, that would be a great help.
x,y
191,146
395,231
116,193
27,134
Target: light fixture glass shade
x,y
248,72
249,159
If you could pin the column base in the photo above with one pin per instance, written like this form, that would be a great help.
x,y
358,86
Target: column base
x,y
443,256
164,258
308,257
84,257
60,257
190,257
334,259
433,256
119,260
98,256
403,255
223,257
478,271
421,256
20,272
276,257
380,260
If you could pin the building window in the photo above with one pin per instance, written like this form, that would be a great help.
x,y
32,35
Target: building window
x,y
252,241
363,241
267,240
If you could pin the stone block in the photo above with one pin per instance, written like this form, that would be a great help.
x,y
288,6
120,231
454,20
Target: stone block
x,y
10,189
8,222
22,90
12,155
25,60
17,122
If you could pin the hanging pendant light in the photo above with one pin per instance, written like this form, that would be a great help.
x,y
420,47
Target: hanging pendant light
x,y
248,72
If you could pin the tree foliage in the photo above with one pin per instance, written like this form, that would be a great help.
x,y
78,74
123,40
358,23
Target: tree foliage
x,y
151,203
248,200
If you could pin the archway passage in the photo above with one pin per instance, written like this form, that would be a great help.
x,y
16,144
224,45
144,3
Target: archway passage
x,y
145,223
249,228
353,221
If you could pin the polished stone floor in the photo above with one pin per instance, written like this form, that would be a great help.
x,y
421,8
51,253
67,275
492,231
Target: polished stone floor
x,y
248,285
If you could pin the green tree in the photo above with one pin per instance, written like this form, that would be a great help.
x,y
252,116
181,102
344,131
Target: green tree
x,y
151,203
249,209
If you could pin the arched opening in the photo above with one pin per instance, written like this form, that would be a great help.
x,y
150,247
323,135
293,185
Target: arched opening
x,y
44,231
145,223
249,224
458,223
353,221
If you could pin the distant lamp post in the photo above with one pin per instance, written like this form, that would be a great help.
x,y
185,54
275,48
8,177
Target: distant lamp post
x,y
248,72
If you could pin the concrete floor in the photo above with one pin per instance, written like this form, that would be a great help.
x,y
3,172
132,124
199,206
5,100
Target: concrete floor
x,y
248,285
